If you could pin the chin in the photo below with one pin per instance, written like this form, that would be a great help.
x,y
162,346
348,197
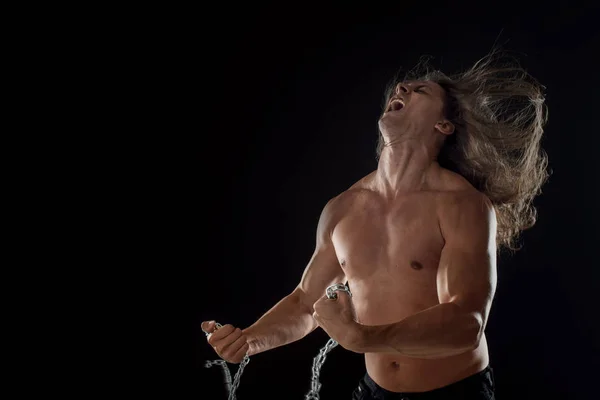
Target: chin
x,y
385,119
388,122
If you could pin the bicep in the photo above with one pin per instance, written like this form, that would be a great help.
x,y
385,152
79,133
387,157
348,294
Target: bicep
x,y
467,278
467,268
323,268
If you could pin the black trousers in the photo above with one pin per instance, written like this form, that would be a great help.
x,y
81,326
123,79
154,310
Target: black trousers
x,y
479,386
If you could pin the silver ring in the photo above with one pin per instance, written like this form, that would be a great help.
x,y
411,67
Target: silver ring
x,y
331,290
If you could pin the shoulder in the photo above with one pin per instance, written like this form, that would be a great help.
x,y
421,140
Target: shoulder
x,y
452,182
466,203
463,210
366,182
458,196
467,216
359,193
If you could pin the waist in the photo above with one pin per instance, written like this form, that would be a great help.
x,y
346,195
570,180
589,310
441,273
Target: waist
x,y
406,374
474,381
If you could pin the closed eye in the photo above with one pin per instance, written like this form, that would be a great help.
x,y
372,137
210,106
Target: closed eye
x,y
419,90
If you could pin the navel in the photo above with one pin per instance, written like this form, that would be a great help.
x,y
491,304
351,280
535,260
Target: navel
x,y
416,265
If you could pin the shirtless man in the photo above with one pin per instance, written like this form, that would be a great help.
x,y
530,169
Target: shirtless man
x,y
416,240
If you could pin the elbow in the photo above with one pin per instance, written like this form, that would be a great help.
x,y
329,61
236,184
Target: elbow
x,y
301,300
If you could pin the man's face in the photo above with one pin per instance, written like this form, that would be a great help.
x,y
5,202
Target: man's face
x,y
413,108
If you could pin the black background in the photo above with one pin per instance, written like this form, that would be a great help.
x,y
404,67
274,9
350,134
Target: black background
x,y
287,104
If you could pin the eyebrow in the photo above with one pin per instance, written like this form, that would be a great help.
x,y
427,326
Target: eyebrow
x,y
422,84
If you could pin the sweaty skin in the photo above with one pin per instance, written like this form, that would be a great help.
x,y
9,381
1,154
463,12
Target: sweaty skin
x,y
390,251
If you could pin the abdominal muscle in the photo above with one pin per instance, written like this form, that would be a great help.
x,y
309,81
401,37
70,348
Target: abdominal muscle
x,y
398,373
405,374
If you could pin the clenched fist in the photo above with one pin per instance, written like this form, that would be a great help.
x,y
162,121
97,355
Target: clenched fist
x,y
228,341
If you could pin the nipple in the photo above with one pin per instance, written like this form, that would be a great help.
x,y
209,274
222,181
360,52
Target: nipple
x,y
416,265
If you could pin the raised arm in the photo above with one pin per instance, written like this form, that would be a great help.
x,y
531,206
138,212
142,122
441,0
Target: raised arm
x,y
291,318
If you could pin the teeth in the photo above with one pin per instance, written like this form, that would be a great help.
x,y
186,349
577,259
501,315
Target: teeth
x,y
396,105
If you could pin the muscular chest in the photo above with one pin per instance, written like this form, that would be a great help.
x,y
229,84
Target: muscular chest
x,y
385,234
386,248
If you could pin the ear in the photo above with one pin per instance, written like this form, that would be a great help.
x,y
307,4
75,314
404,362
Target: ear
x,y
445,127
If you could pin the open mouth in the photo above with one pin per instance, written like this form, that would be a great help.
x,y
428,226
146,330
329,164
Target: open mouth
x,y
396,105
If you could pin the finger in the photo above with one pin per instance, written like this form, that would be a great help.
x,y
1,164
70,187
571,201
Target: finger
x,y
239,355
208,326
316,304
316,317
220,333
221,345
343,297
342,293
229,350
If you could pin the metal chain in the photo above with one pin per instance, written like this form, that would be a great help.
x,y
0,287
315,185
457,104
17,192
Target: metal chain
x,y
238,375
318,362
231,387
226,373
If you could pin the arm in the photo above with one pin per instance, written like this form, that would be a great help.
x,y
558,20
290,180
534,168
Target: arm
x,y
466,283
291,319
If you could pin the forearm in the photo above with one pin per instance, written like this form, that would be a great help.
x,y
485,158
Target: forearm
x,y
440,331
288,321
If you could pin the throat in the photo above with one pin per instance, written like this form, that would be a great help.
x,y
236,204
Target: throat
x,y
407,173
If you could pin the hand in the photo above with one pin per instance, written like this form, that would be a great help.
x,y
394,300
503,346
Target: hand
x,y
338,318
229,342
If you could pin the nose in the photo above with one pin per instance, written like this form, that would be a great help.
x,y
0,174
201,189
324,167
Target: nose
x,y
401,88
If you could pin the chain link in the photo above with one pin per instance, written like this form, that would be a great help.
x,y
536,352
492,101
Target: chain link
x,y
315,386
231,387
318,361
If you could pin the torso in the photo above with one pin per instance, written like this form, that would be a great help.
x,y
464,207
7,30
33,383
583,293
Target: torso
x,y
390,254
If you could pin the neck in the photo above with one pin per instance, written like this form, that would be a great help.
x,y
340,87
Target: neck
x,y
404,167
